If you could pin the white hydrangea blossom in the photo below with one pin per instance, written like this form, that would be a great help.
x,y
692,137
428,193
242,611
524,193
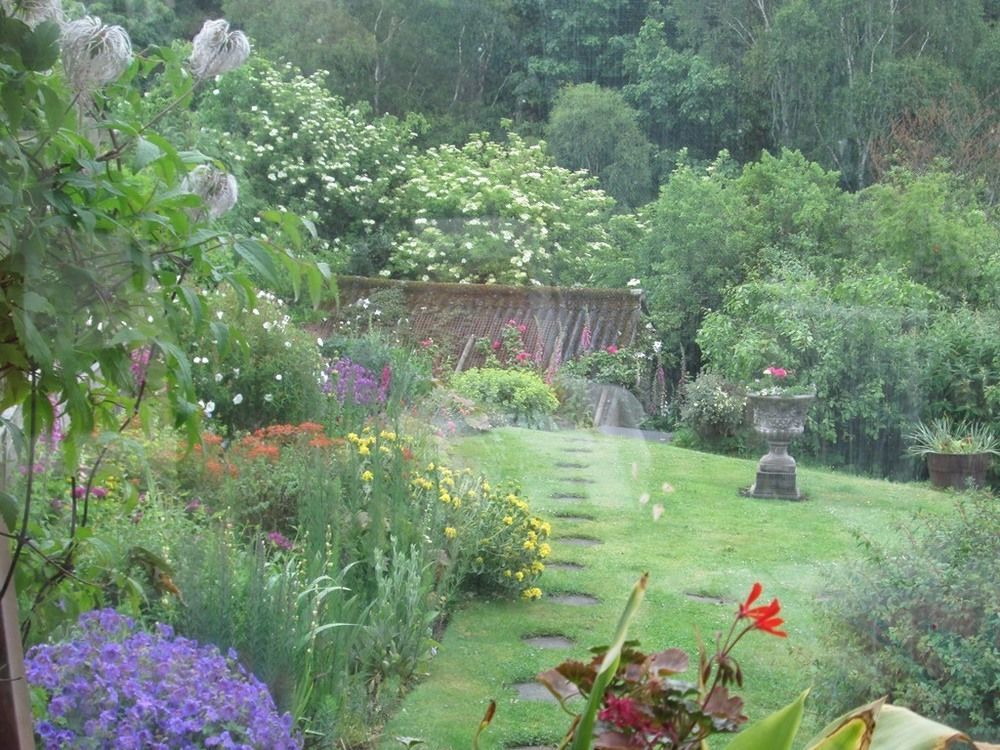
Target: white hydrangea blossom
x,y
94,54
34,12
216,188
217,50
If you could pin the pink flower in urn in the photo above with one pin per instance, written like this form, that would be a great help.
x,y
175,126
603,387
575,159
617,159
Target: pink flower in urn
x,y
776,372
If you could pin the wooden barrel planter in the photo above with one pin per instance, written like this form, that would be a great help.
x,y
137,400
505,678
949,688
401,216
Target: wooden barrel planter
x,y
958,470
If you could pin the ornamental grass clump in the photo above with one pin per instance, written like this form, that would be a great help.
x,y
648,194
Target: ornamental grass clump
x,y
945,436
116,686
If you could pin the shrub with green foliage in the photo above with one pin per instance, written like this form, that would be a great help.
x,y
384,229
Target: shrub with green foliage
x,y
712,406
498,213
612,366
919,622
268,374
296,145
858,341
521,395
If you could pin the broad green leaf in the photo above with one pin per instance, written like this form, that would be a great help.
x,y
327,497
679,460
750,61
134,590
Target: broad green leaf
x,y
12,97
258,257
9,510
852,731
899,727
40,48
220,332
775,731
583,736
193,302
146,152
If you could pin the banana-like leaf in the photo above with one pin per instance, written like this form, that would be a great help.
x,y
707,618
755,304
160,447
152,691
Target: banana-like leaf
x,y
584,735
852,731
899,727
775,731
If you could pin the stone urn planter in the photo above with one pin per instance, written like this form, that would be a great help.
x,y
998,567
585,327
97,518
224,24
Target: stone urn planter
x,y
780,419
958,470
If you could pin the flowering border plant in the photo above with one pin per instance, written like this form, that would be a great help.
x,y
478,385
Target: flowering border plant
x,y
116,685
642,704
776,383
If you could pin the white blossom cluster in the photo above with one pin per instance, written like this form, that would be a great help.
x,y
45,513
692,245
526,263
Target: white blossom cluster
x,y
498,213
302,148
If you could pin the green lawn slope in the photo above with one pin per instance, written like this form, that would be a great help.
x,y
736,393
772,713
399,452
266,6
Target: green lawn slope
x,y
708,544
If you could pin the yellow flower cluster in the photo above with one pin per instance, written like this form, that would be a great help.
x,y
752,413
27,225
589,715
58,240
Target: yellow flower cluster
x,y
533,593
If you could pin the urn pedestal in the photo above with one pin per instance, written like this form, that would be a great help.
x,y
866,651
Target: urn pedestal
x,y
780,419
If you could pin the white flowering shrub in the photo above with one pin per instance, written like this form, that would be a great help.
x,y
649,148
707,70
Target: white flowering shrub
x,y
498,213
297,146
271,375
712,406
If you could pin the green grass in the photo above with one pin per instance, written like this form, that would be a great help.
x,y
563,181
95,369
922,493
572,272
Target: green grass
x,y
709,541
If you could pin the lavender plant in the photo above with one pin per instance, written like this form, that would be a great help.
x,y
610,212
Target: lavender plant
x,y
117,686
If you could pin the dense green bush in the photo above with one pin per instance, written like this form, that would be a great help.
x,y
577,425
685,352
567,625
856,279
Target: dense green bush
x,y
919,622
713,407
269,375
521,395
613,366
859,341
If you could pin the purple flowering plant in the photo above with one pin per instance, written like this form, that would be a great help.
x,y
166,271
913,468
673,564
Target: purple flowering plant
x,y
117,686
354,384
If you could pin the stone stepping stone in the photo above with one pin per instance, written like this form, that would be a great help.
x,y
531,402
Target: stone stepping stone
x,y
573,516
565,566
568,496
533,691
574,600
549,641
570,465
577,480
577,450
578,541
706,598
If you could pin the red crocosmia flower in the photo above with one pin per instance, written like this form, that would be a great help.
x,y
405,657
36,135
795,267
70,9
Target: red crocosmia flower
x,y
765,617
753,596
770,625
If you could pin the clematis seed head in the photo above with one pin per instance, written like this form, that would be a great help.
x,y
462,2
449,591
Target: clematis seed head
x,y
217,50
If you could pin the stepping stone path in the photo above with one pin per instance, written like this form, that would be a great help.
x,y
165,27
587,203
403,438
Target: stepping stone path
x,y
578,541
565,566
533,691
550,641
574,600
706,598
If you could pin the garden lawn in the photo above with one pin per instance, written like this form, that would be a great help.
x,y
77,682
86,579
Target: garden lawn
x,y
709,544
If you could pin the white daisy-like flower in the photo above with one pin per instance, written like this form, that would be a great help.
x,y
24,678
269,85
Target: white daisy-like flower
x,y
238,399
217,50
94,54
